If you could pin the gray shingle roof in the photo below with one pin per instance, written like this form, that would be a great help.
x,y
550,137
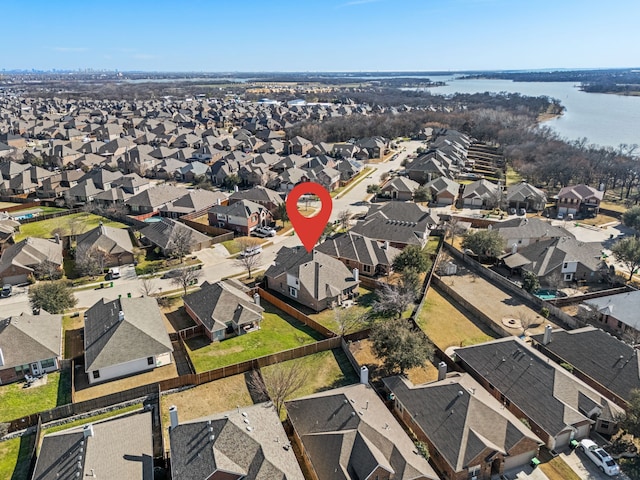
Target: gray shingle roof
x,y
459,417
621,306
221,302
157,196
358,248
604,358
109,341
548,255
397,222
249,443
543,391
31,252
29,338
348,432
110,240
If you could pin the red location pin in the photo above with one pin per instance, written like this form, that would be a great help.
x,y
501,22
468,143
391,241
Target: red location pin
x,y
309,229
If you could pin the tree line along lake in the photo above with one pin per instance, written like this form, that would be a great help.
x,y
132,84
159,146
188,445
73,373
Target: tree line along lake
x,y
604,119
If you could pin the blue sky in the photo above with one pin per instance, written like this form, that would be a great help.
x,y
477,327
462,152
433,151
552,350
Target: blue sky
x,y
319,35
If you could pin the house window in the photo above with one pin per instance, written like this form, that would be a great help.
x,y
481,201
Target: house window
x,y
96,374
293,292
565,265
568,277
604,425
367,268
474,471
47,363
491,387
150,361
619,324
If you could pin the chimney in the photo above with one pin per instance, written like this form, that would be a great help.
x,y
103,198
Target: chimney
x,y
120,316
514,248
88,430
442,371
364,375
256,298
546,338
235,188
386,245
218,202
57,238
356,274
173,416
1,358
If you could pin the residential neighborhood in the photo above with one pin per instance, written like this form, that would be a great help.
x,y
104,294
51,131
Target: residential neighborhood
x,y
453,320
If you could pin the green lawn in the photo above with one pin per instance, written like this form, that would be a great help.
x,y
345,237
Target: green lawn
x,y
513,177
278,332
76,223
327,318
432,244
14,458
43,210
16,402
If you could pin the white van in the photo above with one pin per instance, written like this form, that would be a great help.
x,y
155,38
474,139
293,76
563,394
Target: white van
x,y
250,251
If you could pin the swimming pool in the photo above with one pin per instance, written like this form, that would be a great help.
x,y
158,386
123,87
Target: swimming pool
x,y
548,294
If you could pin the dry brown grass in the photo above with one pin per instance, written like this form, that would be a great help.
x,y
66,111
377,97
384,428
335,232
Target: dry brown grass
x,y
88,393
207,399
361,350
557,469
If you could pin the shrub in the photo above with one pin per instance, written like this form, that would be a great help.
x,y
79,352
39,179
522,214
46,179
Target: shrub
x,y
567,366
544,311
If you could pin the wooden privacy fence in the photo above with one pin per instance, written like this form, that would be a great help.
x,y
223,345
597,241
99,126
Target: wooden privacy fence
x,y
295,313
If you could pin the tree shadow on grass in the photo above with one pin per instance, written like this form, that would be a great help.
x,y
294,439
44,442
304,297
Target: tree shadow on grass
x,y
196,343
23,465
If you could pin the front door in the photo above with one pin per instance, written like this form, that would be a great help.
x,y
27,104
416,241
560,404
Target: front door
x,y
35,369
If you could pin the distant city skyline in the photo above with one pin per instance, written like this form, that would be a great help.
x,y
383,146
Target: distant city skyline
x,y
319,35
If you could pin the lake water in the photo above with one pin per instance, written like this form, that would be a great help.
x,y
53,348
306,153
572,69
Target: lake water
x,y
603,119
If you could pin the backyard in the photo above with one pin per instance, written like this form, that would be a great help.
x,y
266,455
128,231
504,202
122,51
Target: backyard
x,y
17,402
14,457
446,326
278,331
329,318
75,224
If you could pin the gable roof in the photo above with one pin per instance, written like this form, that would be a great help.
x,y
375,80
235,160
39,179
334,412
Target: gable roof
x,y
613,364
193,201
31,252
580,192
545,392
29,338
401,184
257,194
397,222
547,255
320,275
352,246
621,306
250,444
110,341
113,241
480,189
221,302
156,196
242,209
460,417
109,453
530,228
348,432
522,191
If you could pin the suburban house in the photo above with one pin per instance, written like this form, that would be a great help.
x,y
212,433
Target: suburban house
x,y
370,257
113,244
565,258
120,447
522,231
524,195
579,199
469,432
399,188
375,147
123,337
427,168
243,216
313,279
596,357
481,194
348,433
248,443
30,257
266,197
154,198
174,238
29,344
192,201
399,223
444,191
558,406
619,312
299,146
224,309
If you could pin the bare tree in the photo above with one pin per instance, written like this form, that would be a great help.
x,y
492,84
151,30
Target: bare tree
x,y
392,300
48,271
280,381
90,260
631,336
554,280
249,258
186,277
453,229
527,320
147,286
180,243
343,218
347,319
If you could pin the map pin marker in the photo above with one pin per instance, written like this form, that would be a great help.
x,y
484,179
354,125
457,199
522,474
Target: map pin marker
x,y
309,229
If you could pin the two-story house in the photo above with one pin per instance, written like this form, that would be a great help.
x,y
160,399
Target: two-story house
x,y
242,217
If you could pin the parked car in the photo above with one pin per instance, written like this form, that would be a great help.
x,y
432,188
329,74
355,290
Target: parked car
x,y
266,231
250,251
522,211
560,216
512,211
600,457
113,273
6,290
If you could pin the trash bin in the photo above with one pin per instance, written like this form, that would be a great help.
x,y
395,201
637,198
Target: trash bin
x,y
101,285
111,284
574,444
535,462
129,295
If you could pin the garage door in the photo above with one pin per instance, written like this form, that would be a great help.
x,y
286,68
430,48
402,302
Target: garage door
x,y
518,460
562,440
15,279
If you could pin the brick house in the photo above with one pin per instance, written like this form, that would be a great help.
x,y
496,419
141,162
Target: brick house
x,y
242,217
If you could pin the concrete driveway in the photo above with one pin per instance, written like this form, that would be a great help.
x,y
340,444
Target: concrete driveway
x,y
585,468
